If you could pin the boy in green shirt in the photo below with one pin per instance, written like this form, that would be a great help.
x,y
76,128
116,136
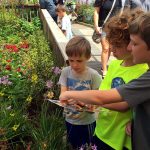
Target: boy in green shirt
x,y
111,124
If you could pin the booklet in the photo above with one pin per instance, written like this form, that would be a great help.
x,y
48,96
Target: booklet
x,y
76,107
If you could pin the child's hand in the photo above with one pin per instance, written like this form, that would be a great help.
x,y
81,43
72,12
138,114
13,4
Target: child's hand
x,y
63,98
128,128
79,105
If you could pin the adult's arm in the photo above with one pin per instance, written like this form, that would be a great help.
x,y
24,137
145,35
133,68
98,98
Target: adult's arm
x,y
96,18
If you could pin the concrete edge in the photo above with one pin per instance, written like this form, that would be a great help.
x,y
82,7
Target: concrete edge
x,y
54,35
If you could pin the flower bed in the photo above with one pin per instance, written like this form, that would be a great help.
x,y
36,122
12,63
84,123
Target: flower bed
x,y
27,77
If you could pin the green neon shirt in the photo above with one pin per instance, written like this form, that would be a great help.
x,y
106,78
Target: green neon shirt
x,y
110,125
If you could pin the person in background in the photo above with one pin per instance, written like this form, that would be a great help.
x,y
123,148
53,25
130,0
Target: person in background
x,y
65,23
136,93
78,77
144,4
102,9
50,5
112,120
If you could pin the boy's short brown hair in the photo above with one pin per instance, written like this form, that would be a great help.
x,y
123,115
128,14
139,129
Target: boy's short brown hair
x,y
141,26
78,46
117,28
60,8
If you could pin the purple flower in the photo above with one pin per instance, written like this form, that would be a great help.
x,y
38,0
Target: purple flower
x,y
4,80
56,70
81,148
49,84
94,147
9,83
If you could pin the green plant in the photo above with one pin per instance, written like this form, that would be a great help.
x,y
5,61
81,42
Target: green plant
x,y
86,13
49,132
27,76
13,126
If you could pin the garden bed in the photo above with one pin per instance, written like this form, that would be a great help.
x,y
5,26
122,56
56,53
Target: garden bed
x,y
28,75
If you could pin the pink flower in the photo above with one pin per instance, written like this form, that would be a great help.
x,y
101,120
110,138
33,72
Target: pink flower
x,y
49,84
56,70
4,80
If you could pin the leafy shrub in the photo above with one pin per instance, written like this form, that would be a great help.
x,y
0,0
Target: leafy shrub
x,y
85,13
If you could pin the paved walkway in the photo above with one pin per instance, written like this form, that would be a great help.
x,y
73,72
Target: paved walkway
x,y
95,61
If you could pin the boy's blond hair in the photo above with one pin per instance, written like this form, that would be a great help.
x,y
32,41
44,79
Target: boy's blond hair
x,y
78,46
60,8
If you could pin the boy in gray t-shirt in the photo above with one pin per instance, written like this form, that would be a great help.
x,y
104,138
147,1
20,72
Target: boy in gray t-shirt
x,y
77,77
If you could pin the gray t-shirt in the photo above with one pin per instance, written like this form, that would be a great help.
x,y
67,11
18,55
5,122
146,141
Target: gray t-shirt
x,y
137,95
88,80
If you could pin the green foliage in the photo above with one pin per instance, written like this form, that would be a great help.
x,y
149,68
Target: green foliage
x,y
13,125
30,2
27,75
50,130
86,13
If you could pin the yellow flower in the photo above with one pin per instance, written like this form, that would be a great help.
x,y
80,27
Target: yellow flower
x,y
29,99
15,127
34,78
1,94
44,145
10,97
50,95
3,61
12,114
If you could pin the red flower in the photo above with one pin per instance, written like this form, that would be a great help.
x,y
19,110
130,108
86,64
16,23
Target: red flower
x,y
9,60
8,67
18,69
8,46
15,49
24,45
12,48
